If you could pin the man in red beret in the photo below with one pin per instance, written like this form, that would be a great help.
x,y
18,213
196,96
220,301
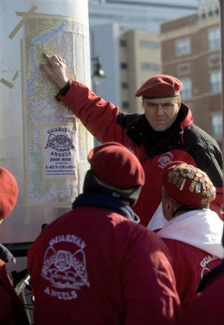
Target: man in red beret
x,y
193,232
164,133
11,309
96,265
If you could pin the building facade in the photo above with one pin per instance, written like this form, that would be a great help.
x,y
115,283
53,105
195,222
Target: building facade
x,y
140,58
191,51
136,23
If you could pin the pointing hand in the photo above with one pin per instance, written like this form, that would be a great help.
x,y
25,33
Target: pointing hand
x,y
55,69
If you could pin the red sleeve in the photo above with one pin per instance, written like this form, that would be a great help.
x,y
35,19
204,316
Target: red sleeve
x,y
207,309
97,115
31,260
153,299
11,309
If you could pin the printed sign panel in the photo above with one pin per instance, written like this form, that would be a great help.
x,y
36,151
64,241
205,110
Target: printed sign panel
x,y
59,153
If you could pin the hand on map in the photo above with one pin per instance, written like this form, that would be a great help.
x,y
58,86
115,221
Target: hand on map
x,y
55,69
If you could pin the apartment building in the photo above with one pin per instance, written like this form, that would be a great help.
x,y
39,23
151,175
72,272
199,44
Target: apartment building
x,y
114,22
191,51
140,58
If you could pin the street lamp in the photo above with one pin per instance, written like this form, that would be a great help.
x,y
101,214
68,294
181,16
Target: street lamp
x,y
98,71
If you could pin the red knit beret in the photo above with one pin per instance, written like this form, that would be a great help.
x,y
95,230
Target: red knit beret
x,y
188,185
117,166
160,86
8,192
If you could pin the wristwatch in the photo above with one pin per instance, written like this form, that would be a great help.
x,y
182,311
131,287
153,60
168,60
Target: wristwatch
x,y
64,90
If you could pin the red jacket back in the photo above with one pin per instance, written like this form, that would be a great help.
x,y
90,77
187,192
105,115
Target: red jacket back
x,y
93,266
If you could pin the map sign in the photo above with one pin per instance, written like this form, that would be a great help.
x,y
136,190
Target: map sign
x,y
51,134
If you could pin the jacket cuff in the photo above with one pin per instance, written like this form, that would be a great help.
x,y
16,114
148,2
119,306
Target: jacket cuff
x,y
64,90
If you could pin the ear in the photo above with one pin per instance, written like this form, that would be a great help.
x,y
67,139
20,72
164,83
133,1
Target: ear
x,y
168,209
167,205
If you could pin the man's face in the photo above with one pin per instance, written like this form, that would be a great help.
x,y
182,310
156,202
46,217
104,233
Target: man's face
x,y
161,112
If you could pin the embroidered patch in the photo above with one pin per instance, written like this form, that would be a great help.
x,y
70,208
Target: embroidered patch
x,y
165,159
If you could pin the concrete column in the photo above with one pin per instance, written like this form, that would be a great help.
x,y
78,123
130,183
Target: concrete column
x,y
41,142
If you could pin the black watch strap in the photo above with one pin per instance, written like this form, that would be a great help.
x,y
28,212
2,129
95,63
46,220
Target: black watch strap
x,y
64,90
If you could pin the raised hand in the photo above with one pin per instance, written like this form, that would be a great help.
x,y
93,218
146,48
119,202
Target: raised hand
x,y
55,69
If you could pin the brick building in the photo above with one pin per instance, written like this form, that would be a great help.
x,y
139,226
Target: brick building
x,y
191,51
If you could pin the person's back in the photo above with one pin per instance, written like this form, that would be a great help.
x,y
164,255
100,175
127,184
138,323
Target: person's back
x,y
95,265
190,264
193,232
95,269
208,308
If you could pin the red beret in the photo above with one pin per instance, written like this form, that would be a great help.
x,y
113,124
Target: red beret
x,y
117,166
188,185
8,192
160,86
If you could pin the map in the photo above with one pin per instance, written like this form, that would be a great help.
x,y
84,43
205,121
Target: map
x,y
56,145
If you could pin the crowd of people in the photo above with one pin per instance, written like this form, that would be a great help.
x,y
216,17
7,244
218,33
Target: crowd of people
x,y
143,243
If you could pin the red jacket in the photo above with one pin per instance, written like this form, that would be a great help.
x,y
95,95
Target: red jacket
x,y
94,266
11,309
208,308
194,240
183,141
190,264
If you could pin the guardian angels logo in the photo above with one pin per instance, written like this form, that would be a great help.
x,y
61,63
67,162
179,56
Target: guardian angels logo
x,y
165,159
60,139
65,270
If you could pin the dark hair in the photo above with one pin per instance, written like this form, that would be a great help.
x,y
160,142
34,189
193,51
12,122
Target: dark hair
x,y
93,184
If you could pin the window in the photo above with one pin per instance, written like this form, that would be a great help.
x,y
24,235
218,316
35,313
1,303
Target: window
x,y
184,69
124,65
214,61
214,39
217,125
149,66
216,82
123,43
186,92
183,46
148,44
124,85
